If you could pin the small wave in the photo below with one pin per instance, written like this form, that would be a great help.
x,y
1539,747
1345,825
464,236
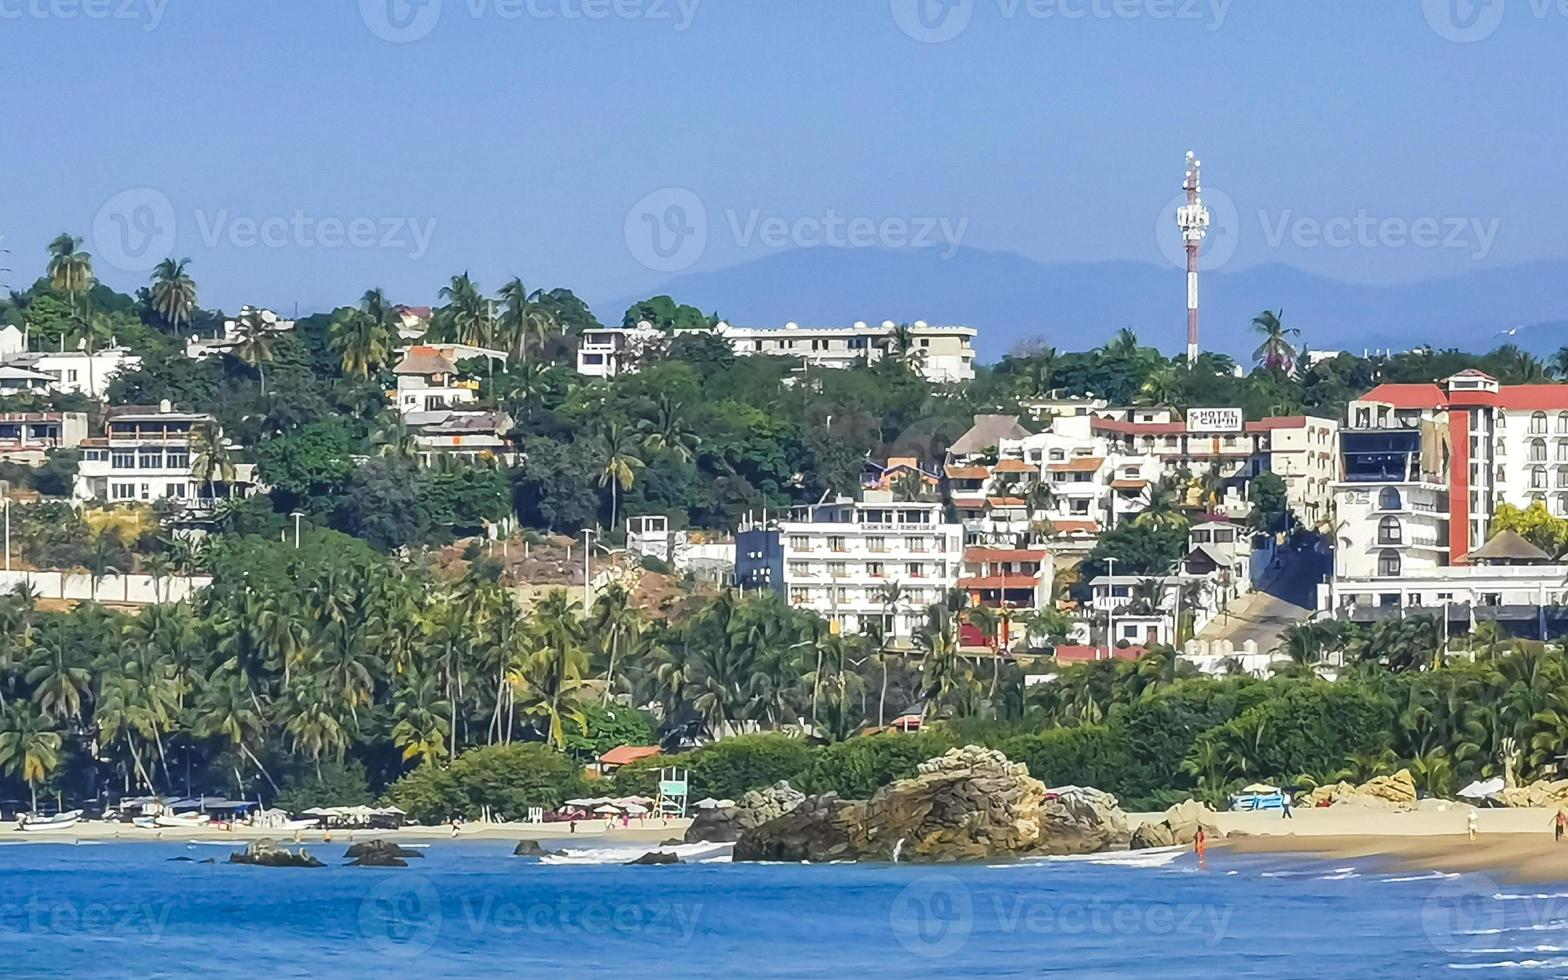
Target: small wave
x,y
1520,949
1429,876
1512,965
688,853
1341,876
1510,897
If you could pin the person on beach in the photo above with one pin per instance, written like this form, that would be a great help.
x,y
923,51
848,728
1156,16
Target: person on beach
x,y
1559,824
1472,824
573,824
1285,805
1200,846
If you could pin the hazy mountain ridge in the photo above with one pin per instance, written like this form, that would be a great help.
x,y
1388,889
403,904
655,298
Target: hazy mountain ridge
x,y
1011,298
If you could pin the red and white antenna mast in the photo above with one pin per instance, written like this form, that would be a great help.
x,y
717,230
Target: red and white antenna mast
x,y
1193,219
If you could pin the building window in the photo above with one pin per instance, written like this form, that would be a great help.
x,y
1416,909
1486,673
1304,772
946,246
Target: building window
x,y
837,545
1538,424
1390,531
1388,564
1389,499
1537,478
123,461
876,545
874,569
798,542
124,491
916,570
177,460
151,461
1537,450
1562,423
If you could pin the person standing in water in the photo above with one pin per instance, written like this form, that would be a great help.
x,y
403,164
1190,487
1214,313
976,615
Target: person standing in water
x,y
1472,824
1559,824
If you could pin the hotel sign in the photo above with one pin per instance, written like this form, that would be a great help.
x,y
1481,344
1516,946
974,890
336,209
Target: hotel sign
x,y
1215,420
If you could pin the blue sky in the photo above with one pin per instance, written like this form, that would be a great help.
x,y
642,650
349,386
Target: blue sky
x,y
299,155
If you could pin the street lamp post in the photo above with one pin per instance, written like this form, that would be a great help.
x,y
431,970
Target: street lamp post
x,y
587,572
297,515
1110,612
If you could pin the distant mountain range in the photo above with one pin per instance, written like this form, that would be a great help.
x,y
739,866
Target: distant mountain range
x,y
1010,298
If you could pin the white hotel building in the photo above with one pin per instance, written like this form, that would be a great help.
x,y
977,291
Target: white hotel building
x,y
946,352
1424,469
147,454
837,559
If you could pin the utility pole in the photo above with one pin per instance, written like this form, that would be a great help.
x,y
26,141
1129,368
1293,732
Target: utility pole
x,y
1193,219
587,572
1110,611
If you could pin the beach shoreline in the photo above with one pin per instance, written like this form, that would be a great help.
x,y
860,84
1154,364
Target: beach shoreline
x,y
593,832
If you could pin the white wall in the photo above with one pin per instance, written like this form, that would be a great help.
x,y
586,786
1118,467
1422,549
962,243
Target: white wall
x,y
136,590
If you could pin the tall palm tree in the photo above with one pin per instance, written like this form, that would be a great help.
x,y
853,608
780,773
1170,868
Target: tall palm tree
x,y
212,461
420,723
1163,509
525,316
364,339
29,747
70,269
621,463
667,429
1037,377
1559,364
905,347
254,343
466,316
173,292
1276,352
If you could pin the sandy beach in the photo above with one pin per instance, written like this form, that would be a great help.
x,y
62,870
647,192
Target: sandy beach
x,y
592,833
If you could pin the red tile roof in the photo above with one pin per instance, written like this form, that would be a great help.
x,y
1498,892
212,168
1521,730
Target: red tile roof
x,y
1005,554
967,472
622,754
1014,466
1089,654
1082,464
1086,527
1535,397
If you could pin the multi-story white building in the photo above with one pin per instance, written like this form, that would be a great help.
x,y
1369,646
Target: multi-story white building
x,y
871,563
76,371
427,381
941,353
150,453
1425,468
29,437
608,352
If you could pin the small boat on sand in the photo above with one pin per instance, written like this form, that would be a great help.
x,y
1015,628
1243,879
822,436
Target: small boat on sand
x,y
30,824
184,820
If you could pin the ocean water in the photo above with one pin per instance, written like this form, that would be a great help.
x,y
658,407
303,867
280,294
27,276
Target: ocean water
x,y
471,909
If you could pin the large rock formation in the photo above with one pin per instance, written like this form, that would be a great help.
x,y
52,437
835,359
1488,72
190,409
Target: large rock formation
x,y
722,825
967,805
266,853
1180,825
1396,792
529,848
1552,794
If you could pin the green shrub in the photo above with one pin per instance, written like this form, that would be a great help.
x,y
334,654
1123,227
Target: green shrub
x,y
509,779
1090,755
728,768
857,767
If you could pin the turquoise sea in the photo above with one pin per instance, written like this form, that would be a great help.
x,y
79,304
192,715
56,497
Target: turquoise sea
x,y
470,909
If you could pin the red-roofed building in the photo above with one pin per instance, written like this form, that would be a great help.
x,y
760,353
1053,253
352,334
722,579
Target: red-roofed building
x,y
624,754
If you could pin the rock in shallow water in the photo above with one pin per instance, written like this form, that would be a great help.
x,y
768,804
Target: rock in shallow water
x,y
970,804
267,854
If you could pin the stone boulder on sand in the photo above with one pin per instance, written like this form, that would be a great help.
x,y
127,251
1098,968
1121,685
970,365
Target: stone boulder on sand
x,y
970,804
1396,792
1179,825
1552,794
722,825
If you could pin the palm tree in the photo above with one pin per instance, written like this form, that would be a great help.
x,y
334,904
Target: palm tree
x,y
420,723
1276,352
70,270
99,560
1559,364
1163,509
905,347
1124,345
227,709
621,463
614,617
466,316
173,292
88,332
254,343
212,461
1039,373
1163,386
364,339
29,747
890,594
666,430
550,681
525,316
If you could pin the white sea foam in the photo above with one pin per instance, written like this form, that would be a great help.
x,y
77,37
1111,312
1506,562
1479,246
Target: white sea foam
x,y
1512,965
1539,896
1429,876
688,853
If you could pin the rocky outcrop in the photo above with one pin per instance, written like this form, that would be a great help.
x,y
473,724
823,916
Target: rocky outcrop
x,y
379,854
722,825
970,804
266,853
1552,794
656,857
1180,825
529,849
1396,792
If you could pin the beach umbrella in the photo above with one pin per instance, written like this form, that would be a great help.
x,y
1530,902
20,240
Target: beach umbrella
x,y
607,808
